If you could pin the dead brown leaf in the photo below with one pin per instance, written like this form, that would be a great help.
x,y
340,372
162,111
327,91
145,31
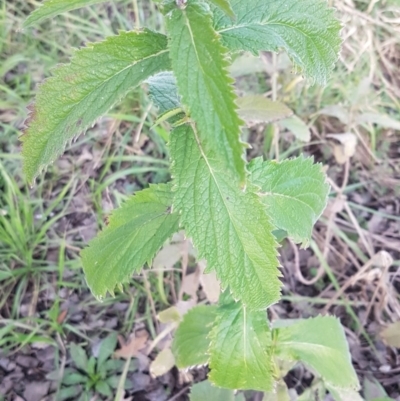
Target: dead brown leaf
x,y
210,284
170,315
391,335
131,348
61,317
163,363
168,256
190,285
345,148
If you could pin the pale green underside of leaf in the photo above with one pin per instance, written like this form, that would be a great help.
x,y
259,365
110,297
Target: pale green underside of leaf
x,y
99,75
307,30
205,391
252,108
191,342
339,394
200,66
133,236
319,343
258,109
295,192
239,356
229,226
164,92
225,6
297,127
51,8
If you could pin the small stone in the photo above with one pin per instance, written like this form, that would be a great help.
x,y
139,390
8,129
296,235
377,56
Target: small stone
x,y
385,368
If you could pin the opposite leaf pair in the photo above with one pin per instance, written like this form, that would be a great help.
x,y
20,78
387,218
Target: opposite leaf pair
x,y
231,228
243,352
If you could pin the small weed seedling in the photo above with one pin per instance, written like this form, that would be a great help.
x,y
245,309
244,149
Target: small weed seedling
x,y
94,375
228,207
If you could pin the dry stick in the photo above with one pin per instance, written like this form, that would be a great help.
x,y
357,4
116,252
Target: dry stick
x,y
171,327
364,16
368,246
386,263
371,6
141,124
185,262
34,301
393,245
274,96
366,147
274,84
351,281
391,90
136,11
63,360
177,395
151,300
172,283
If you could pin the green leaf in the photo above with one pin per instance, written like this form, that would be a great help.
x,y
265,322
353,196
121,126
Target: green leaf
x,y
78,93
307,30
51,8
133,236
295,192
74,378
104,388
79,357
199,62
239,350
164,92
107,347
319,343
191,343
373,390
384,399
229,226
297,127
91,366
225,6
69,392
258,109
205,391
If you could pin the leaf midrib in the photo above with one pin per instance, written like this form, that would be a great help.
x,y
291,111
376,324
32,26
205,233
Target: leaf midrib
x,y
223,200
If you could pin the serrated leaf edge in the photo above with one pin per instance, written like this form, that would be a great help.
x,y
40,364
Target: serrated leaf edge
x,y
100,296
32,107
231,92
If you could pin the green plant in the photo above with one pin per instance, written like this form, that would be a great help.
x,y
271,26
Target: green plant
x,y
230,208
94,375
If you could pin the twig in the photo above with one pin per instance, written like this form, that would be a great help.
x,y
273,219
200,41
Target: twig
x,y
141,124
177,395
